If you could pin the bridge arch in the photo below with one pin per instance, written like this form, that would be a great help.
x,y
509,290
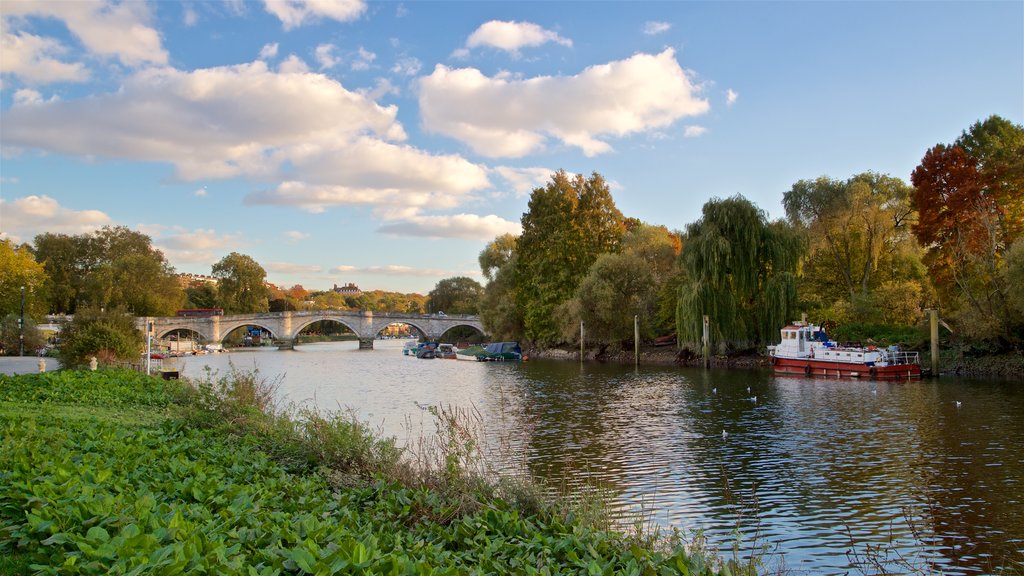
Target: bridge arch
x,y
307,322
227,328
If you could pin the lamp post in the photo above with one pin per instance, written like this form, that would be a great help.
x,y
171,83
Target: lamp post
x,y
21,325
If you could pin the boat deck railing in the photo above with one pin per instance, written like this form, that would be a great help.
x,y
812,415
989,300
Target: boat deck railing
x,y
902,357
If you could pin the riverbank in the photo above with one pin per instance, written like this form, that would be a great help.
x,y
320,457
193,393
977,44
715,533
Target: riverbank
x,y
1003,367
212,479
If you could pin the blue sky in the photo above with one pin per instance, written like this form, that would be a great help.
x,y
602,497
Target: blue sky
x,y
386,143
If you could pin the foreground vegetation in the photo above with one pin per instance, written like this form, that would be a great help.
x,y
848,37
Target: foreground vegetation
x,y
112,472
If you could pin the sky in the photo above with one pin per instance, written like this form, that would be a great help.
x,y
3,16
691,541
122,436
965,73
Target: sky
x,y
385,143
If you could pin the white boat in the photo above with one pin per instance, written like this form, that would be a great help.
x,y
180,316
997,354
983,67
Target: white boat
x,y
805,349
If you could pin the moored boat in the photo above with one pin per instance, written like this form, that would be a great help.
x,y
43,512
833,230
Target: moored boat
x,y
469,352
806,349
410,348
445,352
501,352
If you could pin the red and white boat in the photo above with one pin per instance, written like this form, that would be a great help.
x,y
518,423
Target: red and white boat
x,y
806,350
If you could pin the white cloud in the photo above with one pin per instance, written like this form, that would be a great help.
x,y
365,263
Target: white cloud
x,y
465,226
382,87
295,13
183,246
511,36
200,193
293,65
107,29
292,268
26,217
639,94
190,17
524,180
35,59
364,58
694,131
408,66
731,96
393,179
268,51
224,122
653,28
391,270
295,235
324,54
27,96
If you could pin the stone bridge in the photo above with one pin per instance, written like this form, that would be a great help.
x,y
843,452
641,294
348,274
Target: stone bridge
x,y
285,326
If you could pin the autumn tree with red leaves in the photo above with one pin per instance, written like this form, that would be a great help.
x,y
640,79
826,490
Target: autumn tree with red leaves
x,y
970,202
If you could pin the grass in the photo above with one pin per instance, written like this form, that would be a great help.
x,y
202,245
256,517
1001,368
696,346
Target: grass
x,y
115,473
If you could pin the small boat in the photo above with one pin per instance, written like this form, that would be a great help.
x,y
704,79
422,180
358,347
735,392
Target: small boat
x,y
427,351
806,349
501,352
469,352
445,352
410,348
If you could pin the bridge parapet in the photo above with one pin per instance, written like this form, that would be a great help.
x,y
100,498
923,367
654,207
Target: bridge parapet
x,y
285,326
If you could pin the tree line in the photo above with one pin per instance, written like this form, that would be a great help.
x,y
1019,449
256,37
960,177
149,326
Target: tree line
x,y
866,253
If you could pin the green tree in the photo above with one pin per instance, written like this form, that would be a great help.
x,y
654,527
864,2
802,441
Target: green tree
x,y
201,295
617,288
109,335
12,331
112,267
144,284
569,223
620,286
241,284
741,272
64,260
859,238
499,314
19,269
969,197
458,295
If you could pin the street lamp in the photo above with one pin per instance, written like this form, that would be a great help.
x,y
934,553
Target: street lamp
x,y
21,325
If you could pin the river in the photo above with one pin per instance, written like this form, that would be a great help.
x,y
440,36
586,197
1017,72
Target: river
x,y
818,476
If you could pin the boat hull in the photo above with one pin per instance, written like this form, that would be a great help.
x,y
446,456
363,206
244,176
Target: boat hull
x,y
829,369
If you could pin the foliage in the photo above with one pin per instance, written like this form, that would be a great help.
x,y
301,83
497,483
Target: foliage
x,y
18,268
11,333
106,387
458,295
741,272
620,286
858,237
108,335
241,284
201,295
101,496
904,336
1015,276
499,314
970,196
112,267
568,224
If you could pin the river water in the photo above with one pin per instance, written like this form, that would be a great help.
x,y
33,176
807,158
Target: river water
x,y
817,476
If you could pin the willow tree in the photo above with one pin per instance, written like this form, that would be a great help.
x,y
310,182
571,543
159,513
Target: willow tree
x,y
740,271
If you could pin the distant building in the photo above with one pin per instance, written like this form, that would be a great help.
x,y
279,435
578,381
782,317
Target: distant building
x,y
349,289
187,279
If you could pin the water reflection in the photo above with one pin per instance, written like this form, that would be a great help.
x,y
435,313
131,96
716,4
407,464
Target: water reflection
x,y
813,467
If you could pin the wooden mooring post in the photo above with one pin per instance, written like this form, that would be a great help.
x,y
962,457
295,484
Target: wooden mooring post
x,y
706,342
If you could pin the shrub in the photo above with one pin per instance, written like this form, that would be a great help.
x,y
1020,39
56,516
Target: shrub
x,y
108,335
